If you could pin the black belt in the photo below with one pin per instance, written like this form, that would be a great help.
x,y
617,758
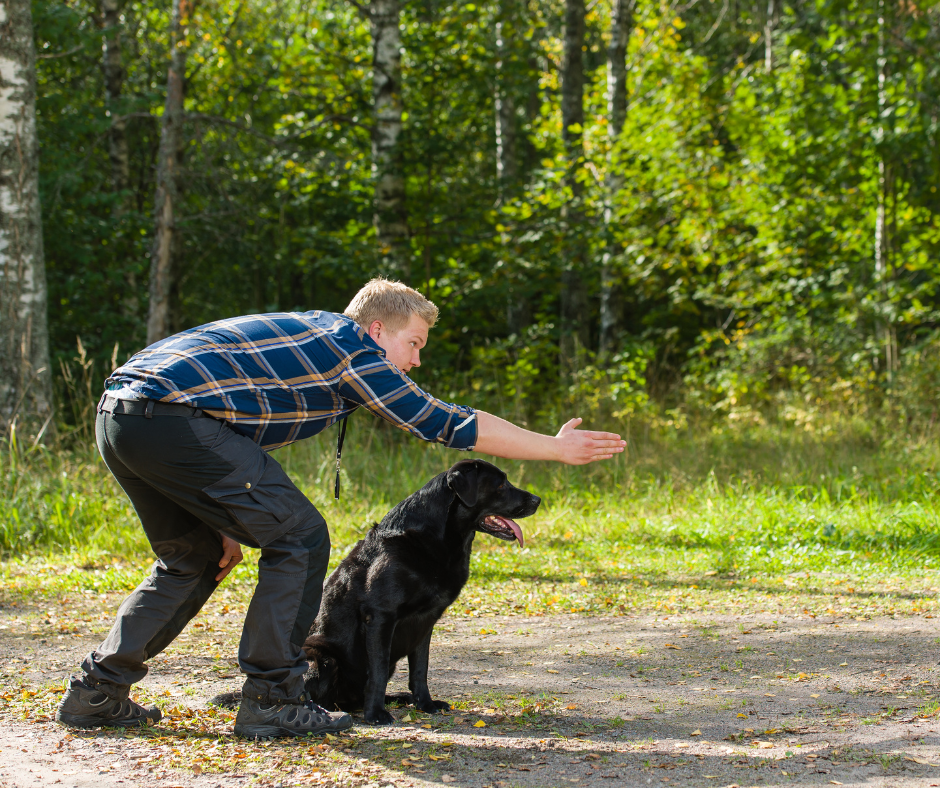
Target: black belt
x,y
148,408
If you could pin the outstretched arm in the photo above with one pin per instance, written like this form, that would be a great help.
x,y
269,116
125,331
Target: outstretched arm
x,y
572,446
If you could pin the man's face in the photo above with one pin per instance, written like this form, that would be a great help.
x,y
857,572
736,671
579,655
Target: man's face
x,y
402,348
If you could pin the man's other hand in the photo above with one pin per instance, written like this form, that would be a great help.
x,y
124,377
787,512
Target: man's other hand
x,y
579,447
231,557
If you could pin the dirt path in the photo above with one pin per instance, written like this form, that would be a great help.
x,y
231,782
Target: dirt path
x,y
570,700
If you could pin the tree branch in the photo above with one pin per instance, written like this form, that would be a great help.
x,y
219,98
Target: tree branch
x,y
68,52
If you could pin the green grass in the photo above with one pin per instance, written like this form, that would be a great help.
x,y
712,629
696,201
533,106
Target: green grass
x,y
840,523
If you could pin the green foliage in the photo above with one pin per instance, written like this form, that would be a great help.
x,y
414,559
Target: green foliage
x,y
742,198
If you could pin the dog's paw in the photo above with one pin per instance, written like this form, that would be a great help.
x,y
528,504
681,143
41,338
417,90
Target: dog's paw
x,y
433,706
381,717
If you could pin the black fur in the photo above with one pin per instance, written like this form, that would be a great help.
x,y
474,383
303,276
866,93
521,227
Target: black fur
x,y
383,600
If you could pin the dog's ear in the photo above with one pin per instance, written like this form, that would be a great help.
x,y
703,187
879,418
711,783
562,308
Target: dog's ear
x,y
462,479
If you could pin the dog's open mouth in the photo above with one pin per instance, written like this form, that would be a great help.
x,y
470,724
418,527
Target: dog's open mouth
x,y
502,528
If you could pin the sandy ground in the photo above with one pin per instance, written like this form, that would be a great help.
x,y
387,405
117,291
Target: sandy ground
x,y
565,700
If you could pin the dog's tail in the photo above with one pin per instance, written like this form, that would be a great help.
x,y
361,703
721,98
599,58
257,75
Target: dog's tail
x,y
227,700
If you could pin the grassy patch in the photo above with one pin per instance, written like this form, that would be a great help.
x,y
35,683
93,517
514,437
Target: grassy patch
x,y
776,521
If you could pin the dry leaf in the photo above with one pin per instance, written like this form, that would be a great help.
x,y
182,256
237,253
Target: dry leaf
x,y
479,724
695,733
743,715
834,782
671,645
448,778
550,670
571,706
915,759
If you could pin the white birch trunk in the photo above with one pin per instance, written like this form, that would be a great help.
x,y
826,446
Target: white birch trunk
x,y
25,371
769,37
165,202
885,325
506,154
389,216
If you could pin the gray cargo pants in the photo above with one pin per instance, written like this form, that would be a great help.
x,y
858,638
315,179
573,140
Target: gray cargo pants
x,y
190,478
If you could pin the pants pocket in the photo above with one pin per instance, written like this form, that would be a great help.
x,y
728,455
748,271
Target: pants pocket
x,y
260,498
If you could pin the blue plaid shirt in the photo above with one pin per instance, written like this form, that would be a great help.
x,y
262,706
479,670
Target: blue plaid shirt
x,y
285,376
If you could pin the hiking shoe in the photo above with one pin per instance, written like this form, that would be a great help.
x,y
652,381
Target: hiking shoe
x,y
256,719
86,707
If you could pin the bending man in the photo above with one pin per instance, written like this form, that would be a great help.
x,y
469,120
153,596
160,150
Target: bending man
x,y
186,425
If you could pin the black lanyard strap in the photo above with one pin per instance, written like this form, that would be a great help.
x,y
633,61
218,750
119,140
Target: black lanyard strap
x,y
339,454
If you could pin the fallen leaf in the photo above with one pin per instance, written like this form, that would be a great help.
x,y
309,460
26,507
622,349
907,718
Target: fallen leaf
x,y
843,664
571,706
695,733
671,645
743,715
479,724
551,671
834,782
448,778
815,695
915,759
407,762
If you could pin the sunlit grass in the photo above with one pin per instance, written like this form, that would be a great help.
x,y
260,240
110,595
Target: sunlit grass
x,y
689,522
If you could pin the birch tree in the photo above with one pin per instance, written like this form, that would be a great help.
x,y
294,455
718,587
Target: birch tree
x,y
620,27
25,373
573,289
389,214
167,194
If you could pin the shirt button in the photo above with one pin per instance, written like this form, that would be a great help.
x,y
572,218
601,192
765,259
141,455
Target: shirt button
x,y
247,485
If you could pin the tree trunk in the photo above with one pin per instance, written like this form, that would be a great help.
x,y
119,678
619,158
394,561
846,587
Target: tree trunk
x,y
389,211
769,37
621,26
112,64
113,67
882,245
25,371
165,202
506,154
574,328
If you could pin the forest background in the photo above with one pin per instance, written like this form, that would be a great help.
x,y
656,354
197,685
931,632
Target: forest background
x,y
711,225
647,210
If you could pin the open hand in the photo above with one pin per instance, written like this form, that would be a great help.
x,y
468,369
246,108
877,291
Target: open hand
x,y
231,557
579,447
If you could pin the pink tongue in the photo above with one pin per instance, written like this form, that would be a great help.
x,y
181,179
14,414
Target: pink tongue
x,y
515,529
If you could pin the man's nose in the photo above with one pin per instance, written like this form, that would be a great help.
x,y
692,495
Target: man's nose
x,y
416,359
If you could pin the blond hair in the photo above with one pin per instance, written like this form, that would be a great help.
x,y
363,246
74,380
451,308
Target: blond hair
x,y
391,302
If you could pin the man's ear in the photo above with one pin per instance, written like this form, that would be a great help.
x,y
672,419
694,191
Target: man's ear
x,y
462,479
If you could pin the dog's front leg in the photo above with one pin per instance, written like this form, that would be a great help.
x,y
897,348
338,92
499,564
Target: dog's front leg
x,y
418,677
379,630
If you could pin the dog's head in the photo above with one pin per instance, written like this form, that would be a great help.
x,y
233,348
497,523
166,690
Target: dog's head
x,y
487,501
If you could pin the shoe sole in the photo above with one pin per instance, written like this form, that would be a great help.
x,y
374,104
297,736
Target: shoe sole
x,y
91,721
268,731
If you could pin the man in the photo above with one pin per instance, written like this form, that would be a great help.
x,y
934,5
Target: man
x,y
186,425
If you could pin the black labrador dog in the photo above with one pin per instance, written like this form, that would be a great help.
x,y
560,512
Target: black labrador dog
x,y
383,600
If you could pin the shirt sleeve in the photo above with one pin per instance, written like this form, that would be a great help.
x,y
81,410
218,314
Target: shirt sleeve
x,y
375,383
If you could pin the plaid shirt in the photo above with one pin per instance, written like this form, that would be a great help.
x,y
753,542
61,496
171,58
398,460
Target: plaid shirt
x,y
285,376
